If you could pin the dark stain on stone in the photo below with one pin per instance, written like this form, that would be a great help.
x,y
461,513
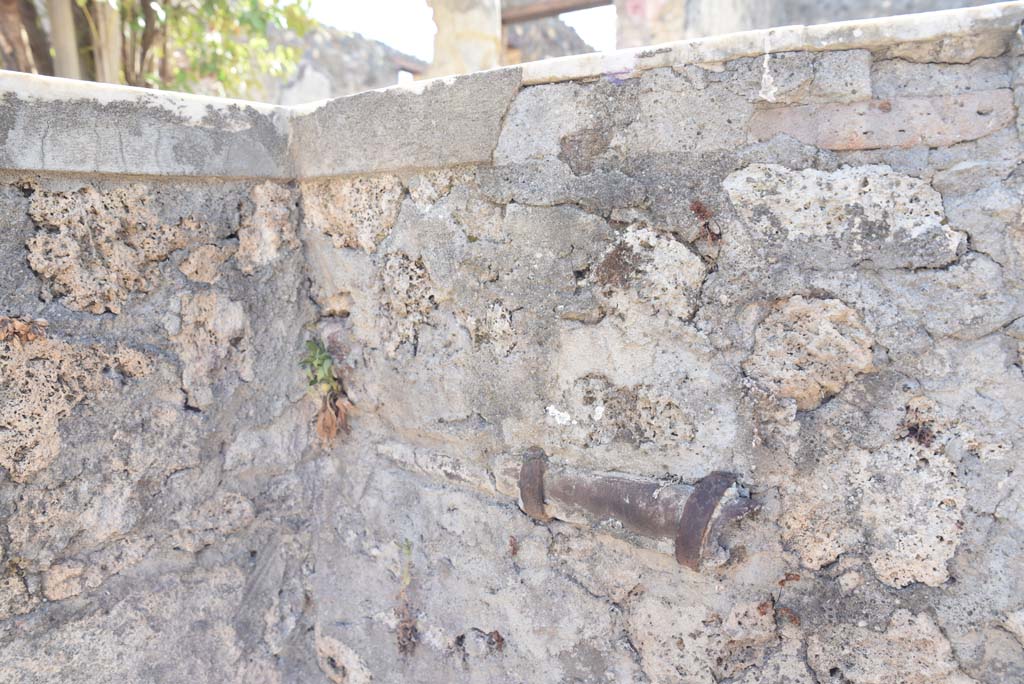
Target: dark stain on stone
x,y
646,54
617,266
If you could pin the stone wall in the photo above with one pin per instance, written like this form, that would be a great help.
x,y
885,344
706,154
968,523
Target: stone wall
x,y
648,22
802,267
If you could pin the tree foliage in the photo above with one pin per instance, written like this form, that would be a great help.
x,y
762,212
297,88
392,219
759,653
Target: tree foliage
x,y
23,43
180,44
219,46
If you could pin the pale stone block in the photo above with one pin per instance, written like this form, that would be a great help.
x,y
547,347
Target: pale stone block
x,y
900,122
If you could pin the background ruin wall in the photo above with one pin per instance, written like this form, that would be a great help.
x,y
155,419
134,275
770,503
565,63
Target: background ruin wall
x,y
804,266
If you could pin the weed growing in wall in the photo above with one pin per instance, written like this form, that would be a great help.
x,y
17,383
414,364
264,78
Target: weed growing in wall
x,y
324,379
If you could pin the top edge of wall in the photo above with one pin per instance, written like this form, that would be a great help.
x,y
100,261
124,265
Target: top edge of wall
x,y
878,32
191,105
870,34
62,125
59,125
457,120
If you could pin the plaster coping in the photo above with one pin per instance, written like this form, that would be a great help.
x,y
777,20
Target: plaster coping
x,y
844,35
1003,17
189,106
879,32
241,146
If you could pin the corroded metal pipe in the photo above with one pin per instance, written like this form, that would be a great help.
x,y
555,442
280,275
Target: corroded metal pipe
x,y
691,515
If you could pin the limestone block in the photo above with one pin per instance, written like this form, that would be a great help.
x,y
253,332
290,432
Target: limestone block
x,y
816,522
553,182
495,330
399,128
63,580
809,349
595,412
95,248
41,382
895,78
572,122
902,504
970,176
912,510
343,284
14,596
137,132
829,220
539,118
268,228
354,212
213,341
408,297
673,116
427,188
962,48
203,263
648,270
542,263
900,122
841,75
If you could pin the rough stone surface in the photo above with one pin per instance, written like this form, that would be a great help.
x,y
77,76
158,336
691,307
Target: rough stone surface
x,y
137,132
899,122
268,228
616,270
656,270
899,77
203,263
213,341
801,77
397,128
912,649
115,497
42,381
96,248
808,350
840,219
356,213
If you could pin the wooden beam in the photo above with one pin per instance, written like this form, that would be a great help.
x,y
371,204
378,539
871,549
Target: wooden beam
x,y
538,9
410,64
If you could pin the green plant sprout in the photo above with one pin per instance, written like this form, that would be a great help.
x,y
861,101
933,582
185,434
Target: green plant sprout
x,y
319,365
323,380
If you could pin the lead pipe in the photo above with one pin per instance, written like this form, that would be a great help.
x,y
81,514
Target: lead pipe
x,y
690,515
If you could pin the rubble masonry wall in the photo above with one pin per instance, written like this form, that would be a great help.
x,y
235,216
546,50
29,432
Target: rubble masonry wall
x,y
796,255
